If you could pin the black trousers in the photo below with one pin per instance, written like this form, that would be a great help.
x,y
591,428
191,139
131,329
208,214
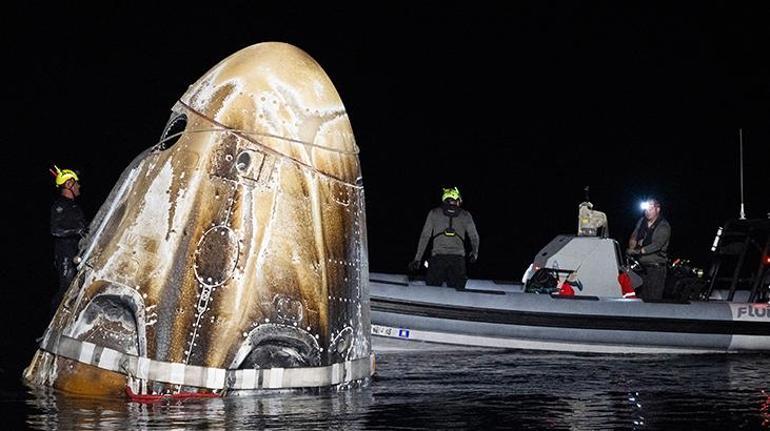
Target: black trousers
x,y
653,282
65,268
446,267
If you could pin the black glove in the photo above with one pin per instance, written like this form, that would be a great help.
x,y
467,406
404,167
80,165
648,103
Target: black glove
x,y
414,266
473,258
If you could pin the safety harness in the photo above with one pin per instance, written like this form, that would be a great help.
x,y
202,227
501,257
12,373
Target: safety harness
x,y
449,231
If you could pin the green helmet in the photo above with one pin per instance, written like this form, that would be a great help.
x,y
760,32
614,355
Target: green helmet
x,y
451,193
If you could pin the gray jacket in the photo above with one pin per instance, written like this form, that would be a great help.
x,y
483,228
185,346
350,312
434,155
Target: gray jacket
x,y
436,223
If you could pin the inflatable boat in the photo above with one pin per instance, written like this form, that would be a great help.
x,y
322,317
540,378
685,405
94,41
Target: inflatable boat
x,y
723,310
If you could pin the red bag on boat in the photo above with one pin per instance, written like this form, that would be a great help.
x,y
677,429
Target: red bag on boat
x,y
625,285
566,289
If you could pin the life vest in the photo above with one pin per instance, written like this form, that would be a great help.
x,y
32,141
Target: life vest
x,y
644,233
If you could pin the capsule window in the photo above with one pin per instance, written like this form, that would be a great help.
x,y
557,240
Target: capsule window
x,y
173,131
243,163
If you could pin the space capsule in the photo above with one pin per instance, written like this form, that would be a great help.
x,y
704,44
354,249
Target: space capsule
x,y
232,255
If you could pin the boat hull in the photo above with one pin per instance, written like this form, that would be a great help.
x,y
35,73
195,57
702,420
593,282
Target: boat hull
x,y
502,316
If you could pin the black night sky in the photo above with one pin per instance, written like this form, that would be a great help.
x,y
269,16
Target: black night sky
x,y
520,107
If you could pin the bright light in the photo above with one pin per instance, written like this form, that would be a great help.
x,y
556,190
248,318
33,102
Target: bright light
x,y
644,205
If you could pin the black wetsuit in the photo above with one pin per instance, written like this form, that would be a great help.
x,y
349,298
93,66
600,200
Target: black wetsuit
x,y
67,227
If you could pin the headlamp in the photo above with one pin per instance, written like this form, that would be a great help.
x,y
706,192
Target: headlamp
x,y
645,205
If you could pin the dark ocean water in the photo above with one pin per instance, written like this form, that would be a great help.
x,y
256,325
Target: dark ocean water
x,y
458,389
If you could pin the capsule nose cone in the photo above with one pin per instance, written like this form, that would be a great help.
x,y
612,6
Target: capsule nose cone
x,y
277,95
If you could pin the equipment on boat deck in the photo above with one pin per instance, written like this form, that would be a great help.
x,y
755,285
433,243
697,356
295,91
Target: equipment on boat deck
x,y
591,222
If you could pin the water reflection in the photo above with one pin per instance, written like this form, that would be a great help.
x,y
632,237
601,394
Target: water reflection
x,y
468,390
274,410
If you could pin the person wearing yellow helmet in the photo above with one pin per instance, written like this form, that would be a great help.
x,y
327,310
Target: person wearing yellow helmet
x,y
447,226
68,226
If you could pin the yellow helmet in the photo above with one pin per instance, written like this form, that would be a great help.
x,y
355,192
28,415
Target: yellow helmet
x,y
61,176
451,193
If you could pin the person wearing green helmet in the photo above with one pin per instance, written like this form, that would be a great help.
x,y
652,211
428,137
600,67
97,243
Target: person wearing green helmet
x,y
447,226
68,226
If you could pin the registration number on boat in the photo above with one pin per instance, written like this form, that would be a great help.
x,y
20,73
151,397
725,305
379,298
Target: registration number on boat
x,y
387,331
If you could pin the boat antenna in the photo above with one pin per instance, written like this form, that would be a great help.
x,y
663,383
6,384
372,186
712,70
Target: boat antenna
x,y
740,141
586,192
